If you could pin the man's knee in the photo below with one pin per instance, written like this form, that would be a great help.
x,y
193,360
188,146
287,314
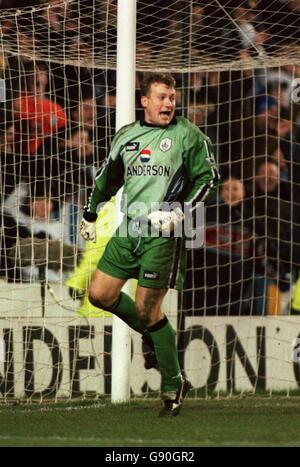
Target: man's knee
x,y
104,290
101,300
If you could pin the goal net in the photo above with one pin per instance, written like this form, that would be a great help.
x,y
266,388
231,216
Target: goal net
x,y
237,70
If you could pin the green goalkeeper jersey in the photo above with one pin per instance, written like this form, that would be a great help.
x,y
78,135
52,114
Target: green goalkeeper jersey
x,y
155,165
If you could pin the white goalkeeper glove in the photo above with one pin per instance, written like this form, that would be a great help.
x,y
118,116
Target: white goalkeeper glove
x,y
166,221
88,230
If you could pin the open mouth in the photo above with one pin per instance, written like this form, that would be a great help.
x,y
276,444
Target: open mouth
x,y
165,113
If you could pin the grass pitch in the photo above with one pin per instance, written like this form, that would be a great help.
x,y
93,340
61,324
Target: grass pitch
x,y
254,421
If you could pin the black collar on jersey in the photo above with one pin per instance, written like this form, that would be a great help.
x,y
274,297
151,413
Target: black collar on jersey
x,y
144,123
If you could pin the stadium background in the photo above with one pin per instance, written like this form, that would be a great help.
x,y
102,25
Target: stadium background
x,y
236,66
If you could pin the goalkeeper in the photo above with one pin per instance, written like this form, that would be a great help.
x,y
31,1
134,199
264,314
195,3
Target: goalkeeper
x,y
158,160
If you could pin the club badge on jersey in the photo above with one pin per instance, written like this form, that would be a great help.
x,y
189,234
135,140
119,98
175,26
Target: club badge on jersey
x,y
165,144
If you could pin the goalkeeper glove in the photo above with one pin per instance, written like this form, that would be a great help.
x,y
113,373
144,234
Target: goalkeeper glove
x,y
166,221
88,227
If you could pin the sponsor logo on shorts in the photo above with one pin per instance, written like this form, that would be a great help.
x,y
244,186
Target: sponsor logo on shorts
x,y
151,275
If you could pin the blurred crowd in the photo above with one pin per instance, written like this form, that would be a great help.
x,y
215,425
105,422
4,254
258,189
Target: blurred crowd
x,y
57,121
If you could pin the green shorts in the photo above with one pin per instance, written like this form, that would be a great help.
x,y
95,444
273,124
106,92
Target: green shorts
x,y
156,262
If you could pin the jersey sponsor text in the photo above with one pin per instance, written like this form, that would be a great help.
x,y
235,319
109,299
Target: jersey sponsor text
x,y
148,171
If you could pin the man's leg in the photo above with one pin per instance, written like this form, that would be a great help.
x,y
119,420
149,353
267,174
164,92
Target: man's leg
x,y
105,292
173,387
104,289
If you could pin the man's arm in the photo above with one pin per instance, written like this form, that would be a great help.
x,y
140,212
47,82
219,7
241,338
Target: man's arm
x,y
107,182
202,171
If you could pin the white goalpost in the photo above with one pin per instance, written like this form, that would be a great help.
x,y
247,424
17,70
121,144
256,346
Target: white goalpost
x,y
125,114
71,73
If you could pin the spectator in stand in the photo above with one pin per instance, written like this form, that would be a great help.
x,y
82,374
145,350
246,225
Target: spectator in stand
x,y
10,229
84,113
274,214
282,18
10,168
277,123
222,274
106,123
202,112
31,212
286,131
264,147
82,88
36,116
65,158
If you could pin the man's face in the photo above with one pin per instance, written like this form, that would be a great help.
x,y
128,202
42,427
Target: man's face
x,y
7,140
42,208
159,104
86,113
232,192
37,83
267,177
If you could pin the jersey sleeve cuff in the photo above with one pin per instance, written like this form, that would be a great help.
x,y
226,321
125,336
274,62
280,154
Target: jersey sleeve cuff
x,y
89,216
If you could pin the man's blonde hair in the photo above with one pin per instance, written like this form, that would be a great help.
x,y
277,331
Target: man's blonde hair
x,y
150,78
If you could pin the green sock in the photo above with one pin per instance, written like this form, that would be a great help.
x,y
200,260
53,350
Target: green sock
x,y
163,337
124,308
